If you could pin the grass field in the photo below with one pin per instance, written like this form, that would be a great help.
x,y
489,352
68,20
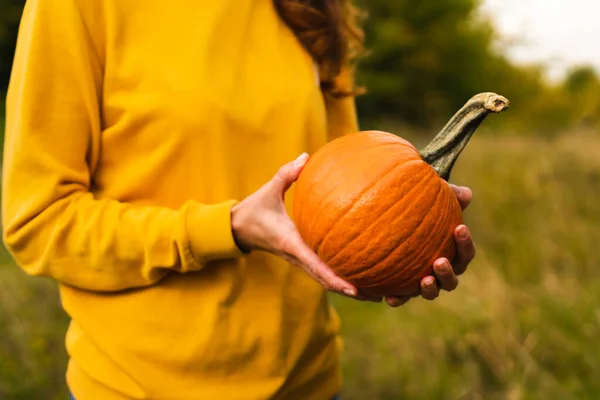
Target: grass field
x,y
524,323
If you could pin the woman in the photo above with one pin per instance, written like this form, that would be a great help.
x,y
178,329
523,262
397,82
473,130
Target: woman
x,y
133,128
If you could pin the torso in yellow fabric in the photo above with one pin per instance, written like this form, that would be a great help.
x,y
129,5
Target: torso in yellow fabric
x,y
132,128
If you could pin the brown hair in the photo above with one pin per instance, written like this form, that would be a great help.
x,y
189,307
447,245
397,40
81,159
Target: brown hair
x,y
329,31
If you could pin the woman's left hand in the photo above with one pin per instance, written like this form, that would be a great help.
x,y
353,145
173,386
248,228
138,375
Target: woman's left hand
x,y
446,275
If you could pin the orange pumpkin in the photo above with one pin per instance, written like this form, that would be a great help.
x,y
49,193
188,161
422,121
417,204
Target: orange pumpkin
x,y
378,211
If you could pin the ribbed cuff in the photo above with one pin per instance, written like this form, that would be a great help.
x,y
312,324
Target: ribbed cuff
x,y
209,232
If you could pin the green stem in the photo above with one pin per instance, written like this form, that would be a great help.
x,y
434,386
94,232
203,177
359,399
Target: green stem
x,y
447,145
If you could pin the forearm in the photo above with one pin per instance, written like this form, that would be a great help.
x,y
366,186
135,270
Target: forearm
x,y
105,245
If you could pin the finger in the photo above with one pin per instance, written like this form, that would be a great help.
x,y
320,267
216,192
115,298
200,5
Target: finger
x,y
429,288
288,174
363,297
294,246
463,194
397,301
465,249
445,275
293,260
359,296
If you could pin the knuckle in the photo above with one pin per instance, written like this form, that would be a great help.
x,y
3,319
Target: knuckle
x,y
314,270
430,292
445,273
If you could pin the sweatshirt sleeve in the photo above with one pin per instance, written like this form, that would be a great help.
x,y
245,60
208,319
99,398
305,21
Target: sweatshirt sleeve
x,y
52,223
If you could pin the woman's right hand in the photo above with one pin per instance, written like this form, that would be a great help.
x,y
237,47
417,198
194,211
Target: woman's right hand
x,y
261,222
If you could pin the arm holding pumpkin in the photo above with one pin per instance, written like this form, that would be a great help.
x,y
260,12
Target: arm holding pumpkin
x,y
261,222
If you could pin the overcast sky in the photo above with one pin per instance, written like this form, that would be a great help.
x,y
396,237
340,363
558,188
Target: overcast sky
x,y
560,32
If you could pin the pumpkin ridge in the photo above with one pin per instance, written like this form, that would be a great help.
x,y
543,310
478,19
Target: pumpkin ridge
x,y
321,205
399,248
315,182
344,211
354,238
432,233
417,255
437,223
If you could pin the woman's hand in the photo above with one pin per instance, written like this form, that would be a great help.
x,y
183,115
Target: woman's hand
x,y
445,274
261,222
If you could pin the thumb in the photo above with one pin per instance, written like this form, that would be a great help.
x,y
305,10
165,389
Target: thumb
x,y
288,174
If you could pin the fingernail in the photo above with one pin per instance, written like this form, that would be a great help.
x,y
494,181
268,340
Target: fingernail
x,y
349,292
301,159
463,232
429,284
443,267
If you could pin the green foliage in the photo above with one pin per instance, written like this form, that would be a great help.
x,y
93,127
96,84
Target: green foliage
x,y
426,59
582,87
10,14
555,108
581,79
2,119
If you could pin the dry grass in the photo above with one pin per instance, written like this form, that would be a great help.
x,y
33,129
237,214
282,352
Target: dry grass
x,y
32,356
524,323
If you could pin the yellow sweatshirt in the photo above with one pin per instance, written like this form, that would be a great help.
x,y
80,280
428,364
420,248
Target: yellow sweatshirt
x,y
132,129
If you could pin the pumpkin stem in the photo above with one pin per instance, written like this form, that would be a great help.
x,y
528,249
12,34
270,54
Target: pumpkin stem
x,y
447,145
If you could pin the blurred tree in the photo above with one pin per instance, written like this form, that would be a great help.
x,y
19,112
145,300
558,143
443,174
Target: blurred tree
x,y
581,79
583,87
427,58
10,14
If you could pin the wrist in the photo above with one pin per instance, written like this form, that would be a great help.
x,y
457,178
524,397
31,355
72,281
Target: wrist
x,y
236,229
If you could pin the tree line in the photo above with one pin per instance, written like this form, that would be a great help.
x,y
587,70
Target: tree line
x,y
425,59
